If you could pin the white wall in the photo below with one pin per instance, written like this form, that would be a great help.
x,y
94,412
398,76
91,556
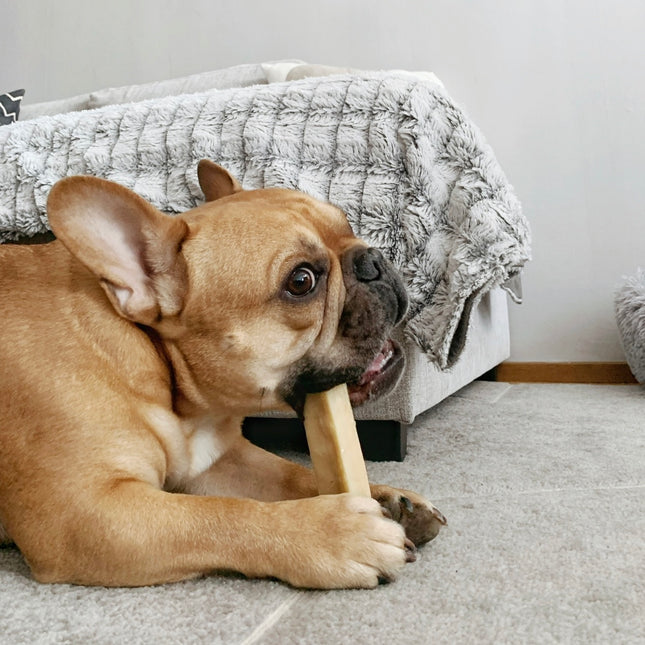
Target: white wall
x,y
557,86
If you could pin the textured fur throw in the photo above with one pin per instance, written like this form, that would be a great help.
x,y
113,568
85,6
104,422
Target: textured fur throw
x,y
411,171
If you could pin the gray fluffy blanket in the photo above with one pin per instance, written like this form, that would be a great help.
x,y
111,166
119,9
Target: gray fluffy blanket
x,y
412,172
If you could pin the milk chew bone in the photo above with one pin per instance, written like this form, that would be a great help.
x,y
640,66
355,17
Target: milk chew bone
x,y
333,443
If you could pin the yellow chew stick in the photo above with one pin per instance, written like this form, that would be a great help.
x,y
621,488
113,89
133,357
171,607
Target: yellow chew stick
x,y
333,443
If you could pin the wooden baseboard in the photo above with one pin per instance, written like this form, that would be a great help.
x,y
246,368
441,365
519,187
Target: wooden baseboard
x,y
608,373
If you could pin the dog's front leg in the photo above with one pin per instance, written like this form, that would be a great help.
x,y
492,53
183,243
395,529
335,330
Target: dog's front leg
x,y
135,534
246,470
249,471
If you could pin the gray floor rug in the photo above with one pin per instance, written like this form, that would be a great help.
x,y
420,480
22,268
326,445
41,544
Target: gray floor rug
x,y
544,490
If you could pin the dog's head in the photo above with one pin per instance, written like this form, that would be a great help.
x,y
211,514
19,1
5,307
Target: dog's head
x,y
260,297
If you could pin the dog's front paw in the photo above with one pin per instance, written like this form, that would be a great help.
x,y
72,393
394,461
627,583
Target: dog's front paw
x,y
420,519
339,541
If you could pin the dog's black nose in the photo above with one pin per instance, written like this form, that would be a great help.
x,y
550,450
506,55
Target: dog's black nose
x,y
370,268
368,265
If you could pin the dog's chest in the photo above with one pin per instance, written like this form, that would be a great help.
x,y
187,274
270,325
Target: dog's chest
x,y
191,445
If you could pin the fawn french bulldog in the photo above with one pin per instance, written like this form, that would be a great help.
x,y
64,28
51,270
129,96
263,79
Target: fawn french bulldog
x,y
131,349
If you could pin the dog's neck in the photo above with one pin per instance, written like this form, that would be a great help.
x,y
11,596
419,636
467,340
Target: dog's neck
x,y
187,400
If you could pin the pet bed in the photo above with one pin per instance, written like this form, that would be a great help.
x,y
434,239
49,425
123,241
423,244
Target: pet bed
x,y
630,317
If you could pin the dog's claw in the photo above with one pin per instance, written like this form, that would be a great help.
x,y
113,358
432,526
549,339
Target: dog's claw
x,y
410,551
439,516
409,506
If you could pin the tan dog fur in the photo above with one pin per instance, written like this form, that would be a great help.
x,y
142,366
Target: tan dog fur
x,y
131,349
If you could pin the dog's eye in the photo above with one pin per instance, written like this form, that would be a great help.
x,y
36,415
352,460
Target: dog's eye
x,y
301,281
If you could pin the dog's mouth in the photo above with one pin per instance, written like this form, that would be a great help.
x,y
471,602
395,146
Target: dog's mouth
x,y
381,375
378,378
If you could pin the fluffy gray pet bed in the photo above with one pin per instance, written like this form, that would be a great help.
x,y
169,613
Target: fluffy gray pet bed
x,y
630,316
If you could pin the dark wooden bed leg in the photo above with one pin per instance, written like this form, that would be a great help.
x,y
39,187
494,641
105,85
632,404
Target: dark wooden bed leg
x,y
383,440
380,440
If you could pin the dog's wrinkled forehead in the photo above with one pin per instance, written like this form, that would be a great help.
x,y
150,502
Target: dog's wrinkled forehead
x,y
330,222
268,231
256,218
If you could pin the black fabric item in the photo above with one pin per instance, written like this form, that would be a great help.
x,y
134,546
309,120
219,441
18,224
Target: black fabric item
x,y
10,106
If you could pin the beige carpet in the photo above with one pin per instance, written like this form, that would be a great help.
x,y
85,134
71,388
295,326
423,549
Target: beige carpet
x,y
544,490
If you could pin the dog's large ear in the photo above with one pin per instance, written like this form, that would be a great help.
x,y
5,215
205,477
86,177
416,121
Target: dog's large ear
x,y
132,248
215,181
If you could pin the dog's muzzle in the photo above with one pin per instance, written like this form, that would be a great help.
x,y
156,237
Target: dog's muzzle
x,y
364,355
370,267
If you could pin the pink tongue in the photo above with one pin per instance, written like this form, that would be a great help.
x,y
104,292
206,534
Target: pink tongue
x,y
377,365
